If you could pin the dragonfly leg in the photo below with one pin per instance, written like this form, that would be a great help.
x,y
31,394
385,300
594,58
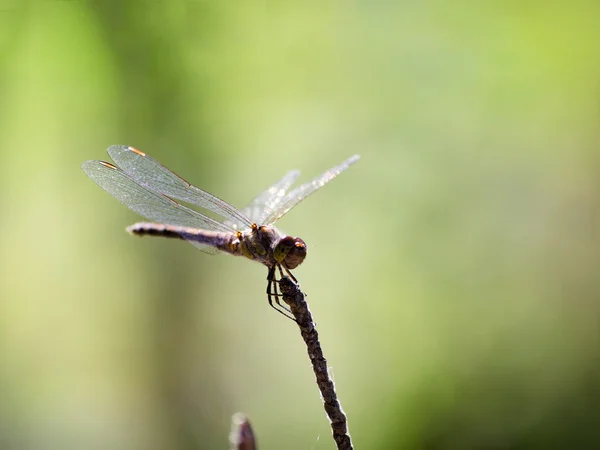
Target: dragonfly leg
x,y
272,292
277,294
289,273
291,276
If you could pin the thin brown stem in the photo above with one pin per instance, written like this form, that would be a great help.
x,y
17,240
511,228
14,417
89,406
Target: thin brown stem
x,y
241,436
294,297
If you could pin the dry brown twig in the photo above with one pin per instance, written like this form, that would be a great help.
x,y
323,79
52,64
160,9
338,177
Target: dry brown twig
x,y
294,298
242,435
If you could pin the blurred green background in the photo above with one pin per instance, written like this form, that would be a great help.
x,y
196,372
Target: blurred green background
x,y
452,272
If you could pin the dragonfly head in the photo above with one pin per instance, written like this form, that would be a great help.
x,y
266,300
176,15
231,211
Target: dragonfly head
x,y
290,251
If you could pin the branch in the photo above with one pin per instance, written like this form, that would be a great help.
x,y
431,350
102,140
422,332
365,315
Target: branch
x,y
241,436
294,297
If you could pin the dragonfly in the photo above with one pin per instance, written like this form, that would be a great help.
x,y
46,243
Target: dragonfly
x,y
151,190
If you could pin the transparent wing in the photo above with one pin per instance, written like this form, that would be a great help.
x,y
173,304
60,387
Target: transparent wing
x,y
301,192
147,171
145,202
267,201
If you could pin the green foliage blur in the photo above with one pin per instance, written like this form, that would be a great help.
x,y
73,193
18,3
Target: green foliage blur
x,y
452,272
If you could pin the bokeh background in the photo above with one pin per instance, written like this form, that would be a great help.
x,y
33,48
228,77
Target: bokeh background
x,y
453,271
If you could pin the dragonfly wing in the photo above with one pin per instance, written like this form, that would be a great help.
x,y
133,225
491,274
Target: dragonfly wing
x,y
205,248
146,170
267,201
145,202
301,192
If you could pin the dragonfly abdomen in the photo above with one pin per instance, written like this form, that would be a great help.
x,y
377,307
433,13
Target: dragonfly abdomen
x,y
222,241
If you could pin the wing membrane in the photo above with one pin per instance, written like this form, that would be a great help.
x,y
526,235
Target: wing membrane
x,y
145,202
267,201
301,192
147,171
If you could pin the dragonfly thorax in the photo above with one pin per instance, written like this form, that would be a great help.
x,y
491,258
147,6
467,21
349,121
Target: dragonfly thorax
x,y
267,245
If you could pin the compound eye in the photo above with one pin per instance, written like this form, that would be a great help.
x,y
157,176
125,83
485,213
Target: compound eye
x,y
290,251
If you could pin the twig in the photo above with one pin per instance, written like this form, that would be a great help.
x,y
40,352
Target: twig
x,y
294,297
241,436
